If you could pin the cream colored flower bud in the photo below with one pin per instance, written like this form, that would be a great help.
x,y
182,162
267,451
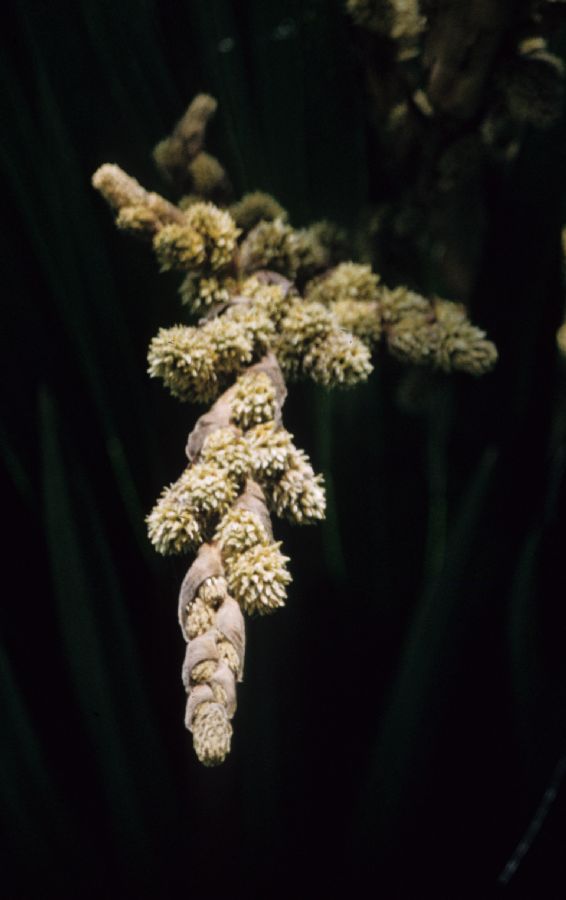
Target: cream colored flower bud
x,y
238,531
258,579
186,361
138,220
299,494
270,448
230,344
414,339
209,488
270,299
212,733
226,448
255,400
461,345
217,230
303,324
338,359
173,525
179,247
400,303
199,293
348,281
360,317
256,323
271,245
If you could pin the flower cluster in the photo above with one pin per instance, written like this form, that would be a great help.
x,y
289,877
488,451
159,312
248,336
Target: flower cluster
x,y
213,626
278,305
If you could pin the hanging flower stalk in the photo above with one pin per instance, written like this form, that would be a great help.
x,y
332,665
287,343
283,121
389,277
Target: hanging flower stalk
x,y
276,305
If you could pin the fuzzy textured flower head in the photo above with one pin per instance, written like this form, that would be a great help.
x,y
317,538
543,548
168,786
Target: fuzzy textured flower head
x,y
212,733
179,247
348,281
299,494
225,448
217,230
270,450
230,343
200,293
304,324
173,526
461,346
138,220
239,531
360,317
255,400
254,208
340,359
258,579
400,303
256,323
182,357
271,245
414,338
209,488
270,299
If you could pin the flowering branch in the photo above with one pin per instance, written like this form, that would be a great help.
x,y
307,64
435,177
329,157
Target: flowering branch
x,y
276,305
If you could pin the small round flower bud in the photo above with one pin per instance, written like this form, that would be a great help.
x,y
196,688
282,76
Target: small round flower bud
x,y
173,525
270,448
226,449
339,359
230,343
271,245
258,579
414,338
303,324
299,494
348,281
238,531
255,400
185,360
254,208
216,229
209,488
201,293
360,317
212,733
179,247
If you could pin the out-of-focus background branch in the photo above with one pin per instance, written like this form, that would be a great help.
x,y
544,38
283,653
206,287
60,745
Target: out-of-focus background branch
x,y
403,715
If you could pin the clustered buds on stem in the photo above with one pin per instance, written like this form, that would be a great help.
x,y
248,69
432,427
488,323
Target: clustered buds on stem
x,y
278,307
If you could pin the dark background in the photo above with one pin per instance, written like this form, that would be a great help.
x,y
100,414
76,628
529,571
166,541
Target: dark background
x,y
402,717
